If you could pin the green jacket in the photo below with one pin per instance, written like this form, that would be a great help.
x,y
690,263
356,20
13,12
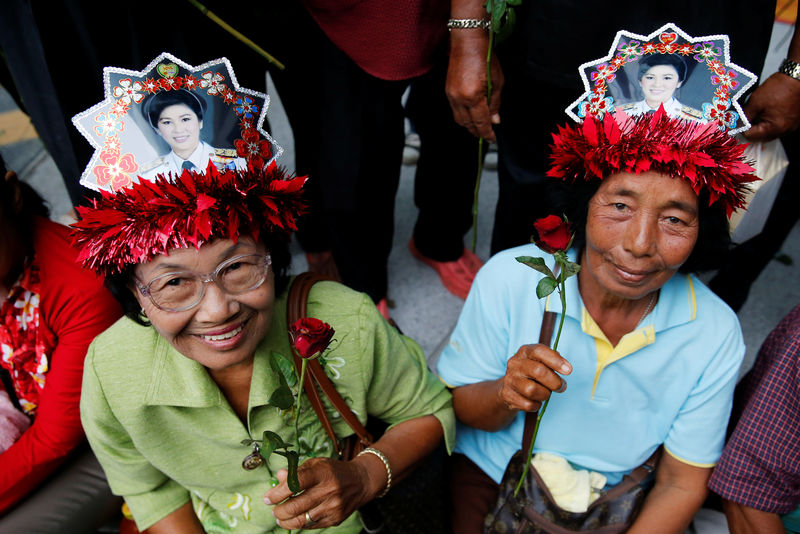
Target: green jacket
x,y
165,434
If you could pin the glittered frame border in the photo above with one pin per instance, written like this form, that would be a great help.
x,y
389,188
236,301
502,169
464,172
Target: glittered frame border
x,y
112,168
728,80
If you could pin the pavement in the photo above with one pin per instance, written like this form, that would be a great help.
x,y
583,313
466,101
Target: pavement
x,y
422,307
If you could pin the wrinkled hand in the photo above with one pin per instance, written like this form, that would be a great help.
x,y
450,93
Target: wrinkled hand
x,y
333,490
774,108
531,377
466,83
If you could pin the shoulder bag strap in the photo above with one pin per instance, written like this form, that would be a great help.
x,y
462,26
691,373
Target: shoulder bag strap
x,y
296,305
635,478
545,335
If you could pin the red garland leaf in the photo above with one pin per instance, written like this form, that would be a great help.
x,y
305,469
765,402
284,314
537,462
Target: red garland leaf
x,y
204,202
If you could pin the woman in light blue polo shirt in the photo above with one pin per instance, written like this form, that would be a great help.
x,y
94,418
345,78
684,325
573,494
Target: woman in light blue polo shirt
x,y
648,355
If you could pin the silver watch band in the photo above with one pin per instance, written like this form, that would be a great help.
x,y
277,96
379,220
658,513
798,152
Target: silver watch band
x,y
790,68
462,24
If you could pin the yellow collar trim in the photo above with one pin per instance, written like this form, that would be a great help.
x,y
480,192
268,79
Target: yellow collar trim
x,y
608,354
692,297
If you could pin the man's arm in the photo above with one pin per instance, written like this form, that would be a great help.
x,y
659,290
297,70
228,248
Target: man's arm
x,y
679,492
745,520
466,84
774,107
181,520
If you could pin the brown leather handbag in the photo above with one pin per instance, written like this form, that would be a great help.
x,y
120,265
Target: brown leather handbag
x,y
416,504
534,511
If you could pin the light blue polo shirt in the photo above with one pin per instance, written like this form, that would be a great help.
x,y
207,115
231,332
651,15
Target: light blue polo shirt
x,y
675,385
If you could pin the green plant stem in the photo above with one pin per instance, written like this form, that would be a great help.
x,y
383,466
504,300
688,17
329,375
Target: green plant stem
x,y
475,195
481,142
543,408
562,292
227,27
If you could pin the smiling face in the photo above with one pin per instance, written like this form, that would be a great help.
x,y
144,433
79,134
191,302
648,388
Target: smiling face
x,y
640,229
180,128
222,331
659,84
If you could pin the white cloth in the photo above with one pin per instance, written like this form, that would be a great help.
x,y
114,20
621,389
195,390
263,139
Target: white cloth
x,y
13,423
572,489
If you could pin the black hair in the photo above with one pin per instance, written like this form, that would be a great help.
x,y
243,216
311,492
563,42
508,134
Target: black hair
x,y
713,239
20,204
672,60
120,284
155,104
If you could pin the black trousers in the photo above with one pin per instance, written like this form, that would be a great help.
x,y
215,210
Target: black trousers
x,y
446,171
362,138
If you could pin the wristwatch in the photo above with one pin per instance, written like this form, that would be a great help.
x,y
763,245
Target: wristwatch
x,y
790,68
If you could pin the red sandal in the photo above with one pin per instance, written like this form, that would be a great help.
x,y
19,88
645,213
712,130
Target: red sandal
x,y
456,275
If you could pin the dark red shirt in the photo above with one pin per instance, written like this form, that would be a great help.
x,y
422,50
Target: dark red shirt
x,y
760,466
389,39
74,307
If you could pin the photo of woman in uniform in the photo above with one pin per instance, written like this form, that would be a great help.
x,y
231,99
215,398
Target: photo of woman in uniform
x,y
177,118
660,76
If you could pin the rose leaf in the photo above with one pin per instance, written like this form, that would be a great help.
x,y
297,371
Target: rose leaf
x,y
274,441
536,264
282,398
569,268
546,286
291,478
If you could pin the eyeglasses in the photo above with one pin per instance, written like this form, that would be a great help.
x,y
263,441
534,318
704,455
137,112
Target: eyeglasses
x,y
182,290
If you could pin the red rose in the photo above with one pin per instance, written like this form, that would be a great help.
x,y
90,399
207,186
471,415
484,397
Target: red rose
x,y
310,336
553,234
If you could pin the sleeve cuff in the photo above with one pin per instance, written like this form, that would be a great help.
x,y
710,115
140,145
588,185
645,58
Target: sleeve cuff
x,y
689,462
149,508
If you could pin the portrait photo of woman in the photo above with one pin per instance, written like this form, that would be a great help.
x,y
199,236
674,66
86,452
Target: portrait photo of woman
x,y
660,76
177,117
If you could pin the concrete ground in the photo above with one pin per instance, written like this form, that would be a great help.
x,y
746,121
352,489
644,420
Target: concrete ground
x,y
422,307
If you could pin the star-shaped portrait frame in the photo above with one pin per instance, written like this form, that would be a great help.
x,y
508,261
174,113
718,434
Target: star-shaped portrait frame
x,y
708,84
128,143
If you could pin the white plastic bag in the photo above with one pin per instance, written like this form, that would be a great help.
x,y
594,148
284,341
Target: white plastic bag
x,y
770,162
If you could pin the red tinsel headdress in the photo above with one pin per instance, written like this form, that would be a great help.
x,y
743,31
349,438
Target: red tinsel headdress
x,y
154,197
150,218
702,154
665,102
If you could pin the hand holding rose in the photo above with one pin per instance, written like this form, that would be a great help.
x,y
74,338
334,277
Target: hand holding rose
x,y
531,375
310,338
554,236
332,490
